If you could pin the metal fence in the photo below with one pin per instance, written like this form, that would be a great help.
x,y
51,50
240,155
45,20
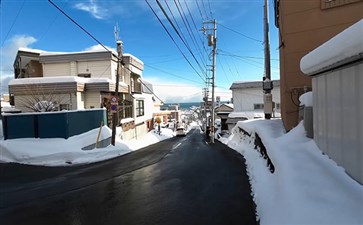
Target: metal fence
x,y
51,124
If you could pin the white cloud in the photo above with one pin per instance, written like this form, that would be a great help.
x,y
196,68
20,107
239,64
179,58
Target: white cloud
x,y
177,92
93,8
8,53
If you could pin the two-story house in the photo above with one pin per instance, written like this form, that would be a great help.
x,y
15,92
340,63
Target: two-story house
x,y
248,101
81,80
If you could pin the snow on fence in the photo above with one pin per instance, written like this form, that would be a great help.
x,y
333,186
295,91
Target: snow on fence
x,y
62,124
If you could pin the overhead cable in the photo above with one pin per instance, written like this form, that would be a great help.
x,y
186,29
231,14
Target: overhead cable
x,y
237,32
89,34
171,37
179,35
189,29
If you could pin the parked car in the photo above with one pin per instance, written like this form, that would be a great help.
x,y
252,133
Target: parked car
x,y
180,131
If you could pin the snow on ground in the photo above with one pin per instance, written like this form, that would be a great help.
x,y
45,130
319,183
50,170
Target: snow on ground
x,y
66,152
306,188
150,138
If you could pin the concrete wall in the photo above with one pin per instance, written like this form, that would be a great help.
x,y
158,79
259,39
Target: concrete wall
x,y
97,69
305,25
338,123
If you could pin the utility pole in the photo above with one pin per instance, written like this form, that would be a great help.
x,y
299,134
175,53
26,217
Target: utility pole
x,y
212,41
267,84
114,99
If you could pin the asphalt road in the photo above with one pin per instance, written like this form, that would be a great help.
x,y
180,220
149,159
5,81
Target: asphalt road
x,y
183,180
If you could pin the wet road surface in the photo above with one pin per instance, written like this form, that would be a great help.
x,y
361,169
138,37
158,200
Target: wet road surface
x,y
182,180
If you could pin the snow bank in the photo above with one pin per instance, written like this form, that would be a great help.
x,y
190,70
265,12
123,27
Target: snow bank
x,y
151,138
59,151
344,46
306,188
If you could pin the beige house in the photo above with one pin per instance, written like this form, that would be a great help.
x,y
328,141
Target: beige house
x,y
303,26
83,80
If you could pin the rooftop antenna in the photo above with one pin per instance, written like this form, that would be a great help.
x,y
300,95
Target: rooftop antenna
x,y
116,31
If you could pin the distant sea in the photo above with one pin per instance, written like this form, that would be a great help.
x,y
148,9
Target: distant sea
x,y
185,105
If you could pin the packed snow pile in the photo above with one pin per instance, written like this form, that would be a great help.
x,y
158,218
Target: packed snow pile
x,y
59,151
306,188
67,152
150,138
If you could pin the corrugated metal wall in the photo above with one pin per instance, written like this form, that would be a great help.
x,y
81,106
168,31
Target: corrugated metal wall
x,y
338,111
52,125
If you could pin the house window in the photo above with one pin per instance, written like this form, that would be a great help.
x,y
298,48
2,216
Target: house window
x,y
64,107
132,85
258,106
139,108
85,75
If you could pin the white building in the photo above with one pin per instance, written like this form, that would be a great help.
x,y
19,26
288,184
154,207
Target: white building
x,y
248,101
82,80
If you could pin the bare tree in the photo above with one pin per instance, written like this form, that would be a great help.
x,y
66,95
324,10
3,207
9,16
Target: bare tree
x,y
37,98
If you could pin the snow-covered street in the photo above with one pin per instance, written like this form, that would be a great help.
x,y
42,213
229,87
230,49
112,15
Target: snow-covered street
x,y
66,152
306,187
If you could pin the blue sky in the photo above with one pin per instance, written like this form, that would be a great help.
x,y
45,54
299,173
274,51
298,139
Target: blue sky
x,y
39,25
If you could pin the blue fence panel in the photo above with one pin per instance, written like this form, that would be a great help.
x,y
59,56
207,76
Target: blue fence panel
x,y
19,126
83,121
52,125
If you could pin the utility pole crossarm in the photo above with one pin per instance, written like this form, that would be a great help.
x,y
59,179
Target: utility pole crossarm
x,y
212,41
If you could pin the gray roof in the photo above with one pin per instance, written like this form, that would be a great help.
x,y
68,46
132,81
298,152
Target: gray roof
x,y
251,84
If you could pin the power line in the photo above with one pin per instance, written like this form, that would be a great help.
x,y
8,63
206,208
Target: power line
x,y
89,34
12,25
210,10
150,90
178,33
240,56
237,32
200,11
73,21
171,37
189,29
205,11
155,68
195,26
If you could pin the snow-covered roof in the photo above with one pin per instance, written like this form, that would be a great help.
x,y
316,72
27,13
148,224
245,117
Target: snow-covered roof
x,y
251,84
38,51
343,48
132,56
